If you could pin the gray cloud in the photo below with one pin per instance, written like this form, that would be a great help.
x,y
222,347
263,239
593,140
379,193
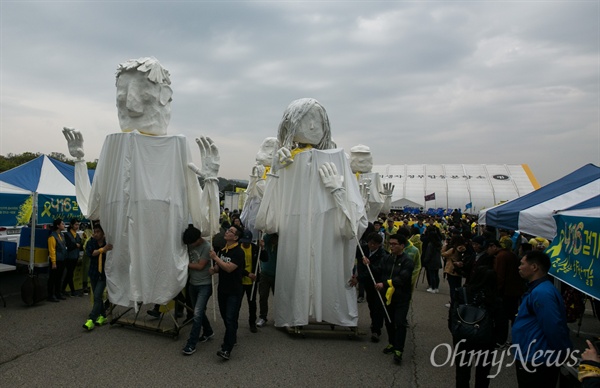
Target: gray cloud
x,y
466,82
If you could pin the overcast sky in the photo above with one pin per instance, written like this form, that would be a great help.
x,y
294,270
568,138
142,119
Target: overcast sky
x,y
422,82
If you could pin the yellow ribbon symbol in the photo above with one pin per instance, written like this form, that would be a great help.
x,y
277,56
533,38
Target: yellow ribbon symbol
x,y
389,293
46,211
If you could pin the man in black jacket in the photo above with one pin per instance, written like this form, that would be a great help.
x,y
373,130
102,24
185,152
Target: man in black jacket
x,y
374,254
396,273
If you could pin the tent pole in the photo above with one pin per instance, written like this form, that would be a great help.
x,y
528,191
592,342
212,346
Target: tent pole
x,y
34,212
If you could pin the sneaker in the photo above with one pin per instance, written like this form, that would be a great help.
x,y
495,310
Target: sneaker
x,y
261,322
153,313
224,354
397,356
388,349
204,337
429,289
436,291
375,337
253,329
189,350
86,292
101,321
447,305
52,299
61,297
88,325
360,300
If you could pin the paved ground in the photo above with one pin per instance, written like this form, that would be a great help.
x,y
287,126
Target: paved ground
x,y
44,345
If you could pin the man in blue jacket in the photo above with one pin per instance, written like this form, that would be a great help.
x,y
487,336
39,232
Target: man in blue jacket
x,y
540,335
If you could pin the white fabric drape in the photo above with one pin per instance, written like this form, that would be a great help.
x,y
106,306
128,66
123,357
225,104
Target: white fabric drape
x,y
316,247
144,194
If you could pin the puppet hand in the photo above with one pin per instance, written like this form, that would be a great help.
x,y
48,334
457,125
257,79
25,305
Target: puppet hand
x,y
211,160
258,171
281,159
388,189
330,177
75,142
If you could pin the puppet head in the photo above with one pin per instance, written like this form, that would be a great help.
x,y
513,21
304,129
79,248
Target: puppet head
x,y
305,121
361,160
144,96
267,151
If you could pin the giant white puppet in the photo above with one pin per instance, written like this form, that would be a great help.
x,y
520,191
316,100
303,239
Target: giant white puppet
x,y
256,184
376,195
146,190
312,200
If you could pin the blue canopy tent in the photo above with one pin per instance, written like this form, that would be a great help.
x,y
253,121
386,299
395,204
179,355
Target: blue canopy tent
x,y
532,213
42,180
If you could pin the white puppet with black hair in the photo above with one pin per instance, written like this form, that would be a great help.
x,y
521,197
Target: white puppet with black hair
x,y
313,202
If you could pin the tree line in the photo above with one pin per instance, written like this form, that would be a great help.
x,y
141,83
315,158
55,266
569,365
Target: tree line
x,y
14,160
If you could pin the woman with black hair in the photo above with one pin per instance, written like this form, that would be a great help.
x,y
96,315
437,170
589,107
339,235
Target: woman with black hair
x,y
432,257
480,292
57,252
74,245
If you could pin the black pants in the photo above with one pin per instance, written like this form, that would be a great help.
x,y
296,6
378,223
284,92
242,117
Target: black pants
x,y
375,307
544,376
251,298
70,265
55,278
398,327
464,361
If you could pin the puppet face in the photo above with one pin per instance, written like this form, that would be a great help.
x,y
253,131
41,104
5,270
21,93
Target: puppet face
x,y
143,104
361,162
310,128
267,151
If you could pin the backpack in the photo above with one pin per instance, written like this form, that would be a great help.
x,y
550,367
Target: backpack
x,y
33,290
470,322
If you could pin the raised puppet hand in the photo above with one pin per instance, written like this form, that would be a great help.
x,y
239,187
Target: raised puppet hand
x,y
211,161
330,177
281,159
388,189
75,142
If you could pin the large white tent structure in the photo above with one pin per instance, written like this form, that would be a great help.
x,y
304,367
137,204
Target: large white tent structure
x,y
457,185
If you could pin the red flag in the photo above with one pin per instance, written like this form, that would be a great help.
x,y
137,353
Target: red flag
x,y
430,197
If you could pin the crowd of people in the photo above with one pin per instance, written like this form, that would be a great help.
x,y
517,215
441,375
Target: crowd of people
x,y
494,270
503,273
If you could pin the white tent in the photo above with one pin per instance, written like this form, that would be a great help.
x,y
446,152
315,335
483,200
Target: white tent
x,y
457,185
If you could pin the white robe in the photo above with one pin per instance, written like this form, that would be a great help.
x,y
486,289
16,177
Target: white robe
x,y
316,248
376,200
255,191
144,194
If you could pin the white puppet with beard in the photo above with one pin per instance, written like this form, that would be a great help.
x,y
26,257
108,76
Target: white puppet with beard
x,y
376,195
146,189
